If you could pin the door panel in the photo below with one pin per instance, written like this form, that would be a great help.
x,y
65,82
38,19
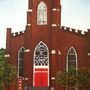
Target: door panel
x,y
41,79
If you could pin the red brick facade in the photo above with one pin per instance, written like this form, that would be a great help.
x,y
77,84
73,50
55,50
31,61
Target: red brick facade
x,y
58,40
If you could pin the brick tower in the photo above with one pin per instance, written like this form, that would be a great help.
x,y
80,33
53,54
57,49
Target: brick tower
x,y
42,17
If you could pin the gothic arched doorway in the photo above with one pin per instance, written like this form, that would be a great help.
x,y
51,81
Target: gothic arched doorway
x,y
41,66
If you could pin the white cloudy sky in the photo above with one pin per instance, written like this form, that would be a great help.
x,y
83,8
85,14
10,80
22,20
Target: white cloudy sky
x,y
75,13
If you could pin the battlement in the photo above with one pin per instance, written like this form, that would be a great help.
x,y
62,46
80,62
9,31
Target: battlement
x,y
18,33
72,30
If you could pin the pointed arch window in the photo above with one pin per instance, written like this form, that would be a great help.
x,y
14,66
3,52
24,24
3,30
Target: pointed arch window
x,y
20,62
41,55
71,59
41,65
42,14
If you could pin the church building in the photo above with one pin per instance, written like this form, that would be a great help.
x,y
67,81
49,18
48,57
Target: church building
x,y
45,47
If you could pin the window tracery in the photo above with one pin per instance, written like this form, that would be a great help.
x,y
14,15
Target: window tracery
x,y
42,14
71,59
41,55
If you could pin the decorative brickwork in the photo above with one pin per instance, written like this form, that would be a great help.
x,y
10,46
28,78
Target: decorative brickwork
x,y
57,38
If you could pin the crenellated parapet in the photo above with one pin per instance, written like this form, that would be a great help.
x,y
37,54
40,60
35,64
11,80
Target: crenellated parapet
x,y
72,30
18,33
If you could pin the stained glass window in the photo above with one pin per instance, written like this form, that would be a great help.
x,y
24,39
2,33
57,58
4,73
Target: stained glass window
x,y
42,13
41,55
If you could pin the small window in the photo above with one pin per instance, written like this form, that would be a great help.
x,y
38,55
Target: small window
x,y
71,59
42,14
20,62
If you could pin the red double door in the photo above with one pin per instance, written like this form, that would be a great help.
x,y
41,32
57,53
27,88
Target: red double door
x,y
41,77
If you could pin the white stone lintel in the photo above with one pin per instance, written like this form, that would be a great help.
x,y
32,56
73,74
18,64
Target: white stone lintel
x,y
52,78
7,55
55,9
28,24
29,10
26,78
54,25
27,50
53,52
